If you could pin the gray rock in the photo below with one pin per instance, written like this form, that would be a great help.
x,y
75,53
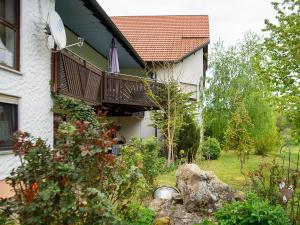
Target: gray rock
x,y
201,193
201,190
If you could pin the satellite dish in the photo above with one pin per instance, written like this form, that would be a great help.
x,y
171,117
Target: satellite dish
x,y
57,30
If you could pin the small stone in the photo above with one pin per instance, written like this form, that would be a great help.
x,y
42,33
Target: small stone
x,y
177,198
239,196
162,221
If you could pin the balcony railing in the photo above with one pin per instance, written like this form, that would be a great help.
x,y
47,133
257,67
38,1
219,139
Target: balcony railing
x,y
74,77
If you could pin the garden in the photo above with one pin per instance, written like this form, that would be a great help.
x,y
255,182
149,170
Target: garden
x,y
240,165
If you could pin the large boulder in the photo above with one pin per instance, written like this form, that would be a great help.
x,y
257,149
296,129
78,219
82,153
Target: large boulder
x,y
201,193
201,190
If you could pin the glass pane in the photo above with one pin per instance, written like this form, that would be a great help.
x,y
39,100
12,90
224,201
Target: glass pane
x,y
7,46
8,123
8,10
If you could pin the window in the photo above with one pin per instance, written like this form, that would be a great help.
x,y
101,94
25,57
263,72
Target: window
x,y
9,33
8,124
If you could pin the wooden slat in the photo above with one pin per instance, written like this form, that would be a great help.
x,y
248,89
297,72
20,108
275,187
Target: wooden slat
x,y
77,80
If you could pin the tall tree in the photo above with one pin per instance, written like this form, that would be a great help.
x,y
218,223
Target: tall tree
x,y
234,71
280,62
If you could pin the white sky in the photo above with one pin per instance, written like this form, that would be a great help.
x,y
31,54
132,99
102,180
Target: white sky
x,y
229,19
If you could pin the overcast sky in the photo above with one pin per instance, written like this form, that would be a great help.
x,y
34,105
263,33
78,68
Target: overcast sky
x,y
229,19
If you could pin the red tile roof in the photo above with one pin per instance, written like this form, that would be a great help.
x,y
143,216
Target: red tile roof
x,y
164,38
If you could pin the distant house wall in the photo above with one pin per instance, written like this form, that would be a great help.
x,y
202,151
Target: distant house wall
x,y
31,85
135,127
189,72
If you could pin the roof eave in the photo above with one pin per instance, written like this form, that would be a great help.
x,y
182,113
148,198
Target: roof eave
x,y
183,57
194,51
99,12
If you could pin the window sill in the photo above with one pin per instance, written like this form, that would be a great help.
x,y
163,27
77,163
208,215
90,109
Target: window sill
x,y
11,70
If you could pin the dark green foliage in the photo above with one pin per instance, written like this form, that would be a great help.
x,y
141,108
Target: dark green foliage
x,y
252,211
73,109
189,138
211,148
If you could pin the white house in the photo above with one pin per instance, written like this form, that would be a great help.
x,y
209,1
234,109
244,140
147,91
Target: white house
x,y
182,41
30,71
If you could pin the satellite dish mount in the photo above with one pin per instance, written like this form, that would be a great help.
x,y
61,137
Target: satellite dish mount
x,y
56,33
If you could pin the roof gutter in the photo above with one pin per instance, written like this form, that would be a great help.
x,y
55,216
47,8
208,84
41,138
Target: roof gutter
x,y
99,12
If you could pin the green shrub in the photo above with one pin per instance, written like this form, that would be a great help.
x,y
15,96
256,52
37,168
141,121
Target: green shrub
x,y
252,211
138,215
147,151
211,149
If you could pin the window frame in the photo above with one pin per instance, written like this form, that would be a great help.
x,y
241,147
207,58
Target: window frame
x,y
16,109
15,28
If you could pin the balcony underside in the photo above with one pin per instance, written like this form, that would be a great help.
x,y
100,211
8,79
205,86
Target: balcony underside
x,y
115,93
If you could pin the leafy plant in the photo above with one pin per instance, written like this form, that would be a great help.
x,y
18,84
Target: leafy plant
x,y
211,148
252,211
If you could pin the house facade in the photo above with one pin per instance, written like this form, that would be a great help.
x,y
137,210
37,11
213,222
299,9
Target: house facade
x,y
30,71
177,42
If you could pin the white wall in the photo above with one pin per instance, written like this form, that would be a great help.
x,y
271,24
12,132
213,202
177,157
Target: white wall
x,y
189,72
135,127
31,85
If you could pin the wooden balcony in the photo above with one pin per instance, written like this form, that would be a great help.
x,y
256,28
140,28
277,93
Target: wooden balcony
x,y
74,77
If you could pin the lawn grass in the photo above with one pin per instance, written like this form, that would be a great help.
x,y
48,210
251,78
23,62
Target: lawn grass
x,y
227,168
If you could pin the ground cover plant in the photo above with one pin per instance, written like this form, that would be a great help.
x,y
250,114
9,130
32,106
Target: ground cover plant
x,y
252,211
